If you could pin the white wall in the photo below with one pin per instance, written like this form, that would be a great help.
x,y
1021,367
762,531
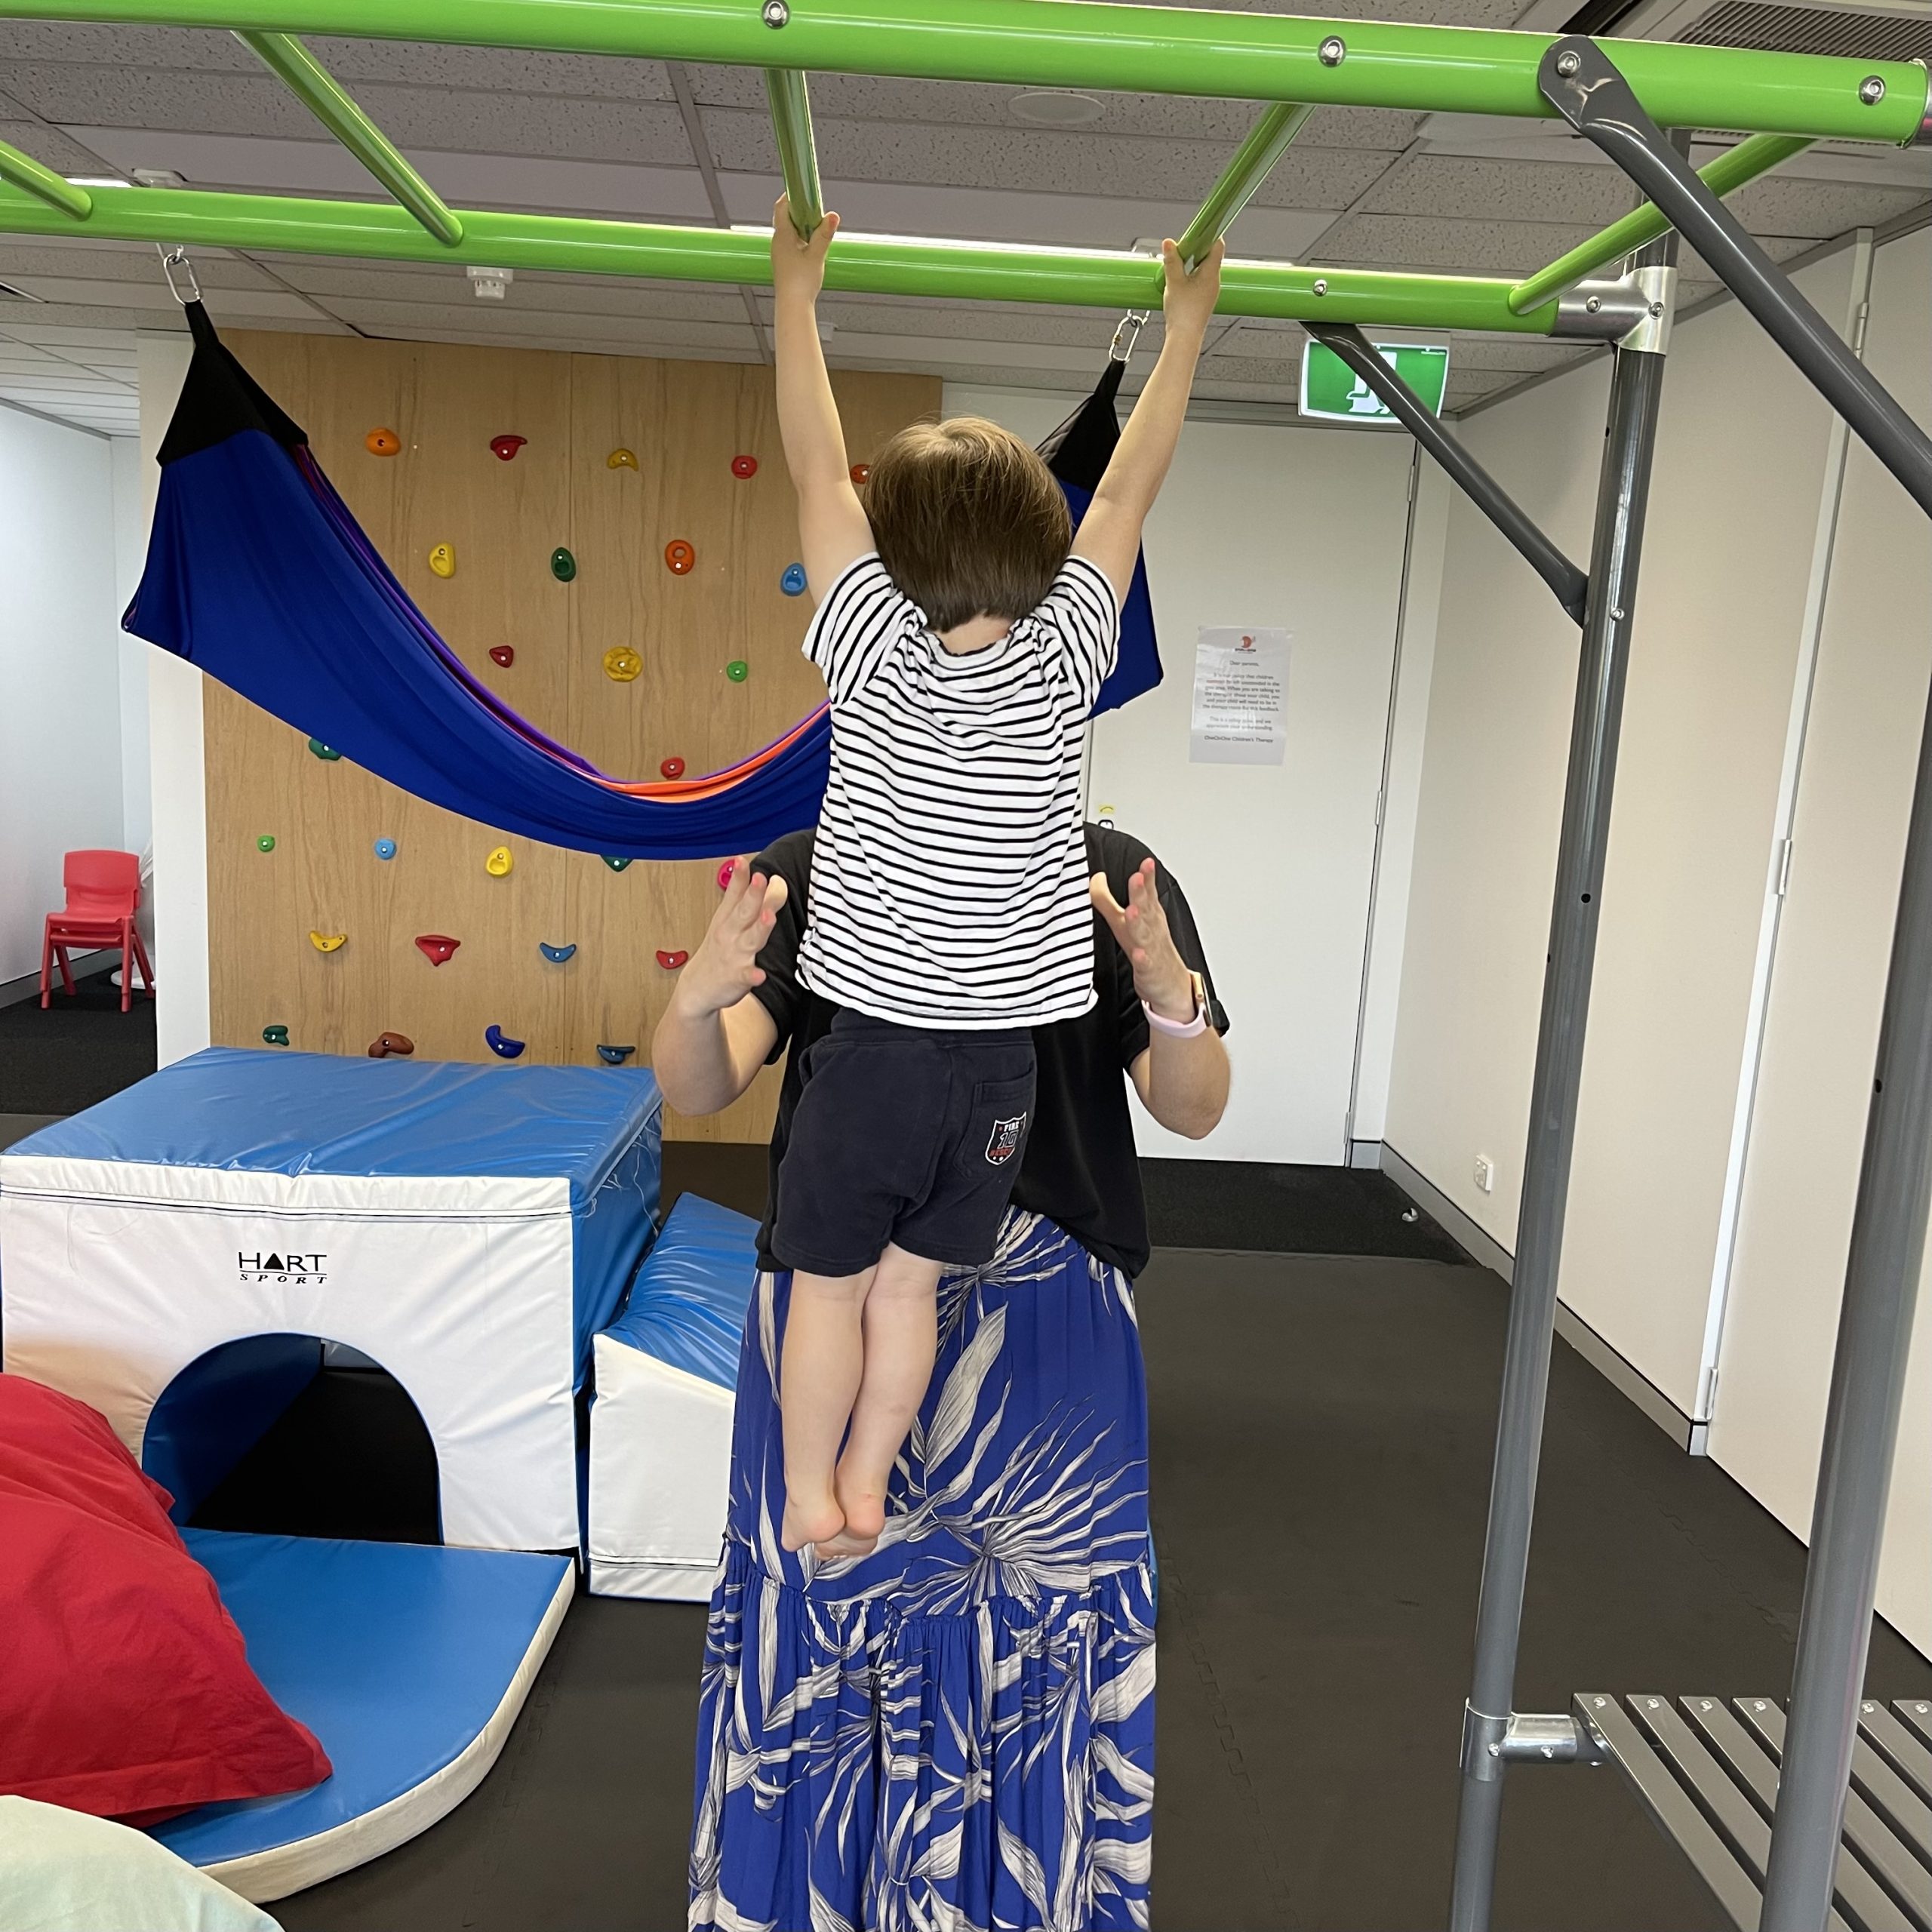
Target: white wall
x,y
130,546
1822,1029
1716,669
180,825
1264,524
60,773
1733,507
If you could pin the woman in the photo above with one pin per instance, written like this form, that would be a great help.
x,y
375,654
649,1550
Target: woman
x,y
957,1729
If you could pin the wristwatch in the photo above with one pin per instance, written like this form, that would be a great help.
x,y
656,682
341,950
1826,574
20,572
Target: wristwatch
x,y
1183,1030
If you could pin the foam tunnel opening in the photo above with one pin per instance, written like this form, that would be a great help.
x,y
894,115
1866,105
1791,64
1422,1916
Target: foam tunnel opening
x,y
295,1434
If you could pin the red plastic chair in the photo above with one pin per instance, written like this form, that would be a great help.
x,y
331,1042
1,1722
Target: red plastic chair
x,y
103,889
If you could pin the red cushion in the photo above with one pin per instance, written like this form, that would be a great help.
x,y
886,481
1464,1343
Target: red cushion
x,y
126,1688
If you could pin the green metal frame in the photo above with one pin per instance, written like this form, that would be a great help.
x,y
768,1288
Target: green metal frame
x,y
1786,100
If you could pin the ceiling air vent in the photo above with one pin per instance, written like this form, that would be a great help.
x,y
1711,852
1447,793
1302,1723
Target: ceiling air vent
x,y
1774,30
8,293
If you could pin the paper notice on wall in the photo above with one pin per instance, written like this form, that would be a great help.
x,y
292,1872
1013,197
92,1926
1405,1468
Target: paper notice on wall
x,y
1240,696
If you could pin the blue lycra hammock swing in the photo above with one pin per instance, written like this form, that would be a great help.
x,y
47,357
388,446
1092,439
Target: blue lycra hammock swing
x,y
257,574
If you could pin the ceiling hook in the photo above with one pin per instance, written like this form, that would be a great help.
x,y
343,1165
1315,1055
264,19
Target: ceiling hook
x,y
1127,334
174,258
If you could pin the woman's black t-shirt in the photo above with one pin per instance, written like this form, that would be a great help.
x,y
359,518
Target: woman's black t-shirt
x,y
1080,1168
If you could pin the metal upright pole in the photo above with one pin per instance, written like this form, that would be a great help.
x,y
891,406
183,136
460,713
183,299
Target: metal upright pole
x,y
1622,495
1861,1419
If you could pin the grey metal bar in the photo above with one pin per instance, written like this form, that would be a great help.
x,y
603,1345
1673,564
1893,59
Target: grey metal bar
x,y
790,102
1580,81
1571,586
1673,1810
1616,542
1902,1748
1895,1179
1745,1829
1863,1900
1916,1711
1265,144
1865,1829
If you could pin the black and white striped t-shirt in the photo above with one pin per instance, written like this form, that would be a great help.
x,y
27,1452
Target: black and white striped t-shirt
x,y
949,884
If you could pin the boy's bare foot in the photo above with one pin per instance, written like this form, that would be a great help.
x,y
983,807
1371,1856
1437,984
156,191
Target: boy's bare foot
x,y
814,1520
863,1507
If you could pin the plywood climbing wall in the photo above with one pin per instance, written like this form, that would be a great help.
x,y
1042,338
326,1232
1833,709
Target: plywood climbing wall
x,y
684,423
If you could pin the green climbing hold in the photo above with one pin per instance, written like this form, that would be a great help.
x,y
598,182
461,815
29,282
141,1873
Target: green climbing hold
x,y
265,843
615,865
563,565
737,670
323,750
275,1036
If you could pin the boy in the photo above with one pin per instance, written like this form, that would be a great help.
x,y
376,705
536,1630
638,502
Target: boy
x,y
963,643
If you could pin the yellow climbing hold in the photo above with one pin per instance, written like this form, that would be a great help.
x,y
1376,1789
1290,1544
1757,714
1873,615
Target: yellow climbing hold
x,y
499,862
622,663
327,942
620,459
442,560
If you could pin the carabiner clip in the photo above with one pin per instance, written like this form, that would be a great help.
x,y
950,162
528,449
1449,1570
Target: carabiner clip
x,y
174,258
1127,334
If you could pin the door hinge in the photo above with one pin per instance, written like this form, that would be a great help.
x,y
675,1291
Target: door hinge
x,y
1784,867
1707,1395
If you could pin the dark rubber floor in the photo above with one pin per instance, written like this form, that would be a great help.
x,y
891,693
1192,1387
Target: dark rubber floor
x,y
76,1051
1321,1433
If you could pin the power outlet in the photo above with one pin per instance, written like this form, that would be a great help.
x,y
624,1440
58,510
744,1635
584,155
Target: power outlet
x,y
1485,1173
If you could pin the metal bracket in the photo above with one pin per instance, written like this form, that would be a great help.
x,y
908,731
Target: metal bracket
x,y
1489,1743
1657,281
1482,1745
174,258
1579,79
1601,310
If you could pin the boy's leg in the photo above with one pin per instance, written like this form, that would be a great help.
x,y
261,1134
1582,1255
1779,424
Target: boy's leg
x,y
819,1372
901,1327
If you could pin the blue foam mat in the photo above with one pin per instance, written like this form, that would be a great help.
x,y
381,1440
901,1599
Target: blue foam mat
x,y
687,1304
395,1655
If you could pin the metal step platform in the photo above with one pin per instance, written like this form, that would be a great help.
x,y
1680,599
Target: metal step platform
x,y
1706,1770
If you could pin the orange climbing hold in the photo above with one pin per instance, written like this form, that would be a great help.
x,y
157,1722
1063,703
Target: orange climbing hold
x,y
382,442
383,1044
679,557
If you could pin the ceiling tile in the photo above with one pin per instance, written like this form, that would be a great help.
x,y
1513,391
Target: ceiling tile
x,y
641,334
1114,165
124,97
58,150
1466,247
133,262
498,70
119,46
1817,209
1445,187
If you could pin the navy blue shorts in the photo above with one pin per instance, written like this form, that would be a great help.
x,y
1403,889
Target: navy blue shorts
x,y
902,1134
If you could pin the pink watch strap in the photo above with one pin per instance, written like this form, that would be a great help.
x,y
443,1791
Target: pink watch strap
x,y
1180,1029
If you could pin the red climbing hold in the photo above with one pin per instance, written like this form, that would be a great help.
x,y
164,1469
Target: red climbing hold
x,y
672,767
437,948
671,961
504,654
742,466
725,872
861,471
504,448
383,1044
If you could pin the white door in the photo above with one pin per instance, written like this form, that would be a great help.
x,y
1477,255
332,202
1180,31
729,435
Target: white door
x,y
1302,528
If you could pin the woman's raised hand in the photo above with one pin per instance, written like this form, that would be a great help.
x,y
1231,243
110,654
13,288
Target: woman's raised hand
x,y
1161,976
725,967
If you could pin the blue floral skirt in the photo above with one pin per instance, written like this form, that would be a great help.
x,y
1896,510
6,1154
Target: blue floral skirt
x,y
955,1733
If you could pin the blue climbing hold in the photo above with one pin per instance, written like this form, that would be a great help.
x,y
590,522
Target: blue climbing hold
x,y
385,848
556,955
501,1044
793,581
615,1056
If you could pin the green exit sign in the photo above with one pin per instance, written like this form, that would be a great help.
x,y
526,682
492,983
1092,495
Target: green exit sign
x,y
1332,392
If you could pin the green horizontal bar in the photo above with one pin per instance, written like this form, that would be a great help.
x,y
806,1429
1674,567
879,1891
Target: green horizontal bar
x,y
1724,176
861,264
1153,49
1267,141
40,182
324,96
798,158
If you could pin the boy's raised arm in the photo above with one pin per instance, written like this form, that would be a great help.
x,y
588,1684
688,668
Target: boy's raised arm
x,y
833,529
1109,534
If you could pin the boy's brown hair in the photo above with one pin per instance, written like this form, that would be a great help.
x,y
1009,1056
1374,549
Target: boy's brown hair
x,y
968,520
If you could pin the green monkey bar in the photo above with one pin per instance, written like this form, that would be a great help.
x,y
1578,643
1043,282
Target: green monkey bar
x,y
1788,100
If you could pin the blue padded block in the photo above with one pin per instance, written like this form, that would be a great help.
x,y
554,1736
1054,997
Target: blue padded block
x,y
251,1110
687,1305
395,1655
